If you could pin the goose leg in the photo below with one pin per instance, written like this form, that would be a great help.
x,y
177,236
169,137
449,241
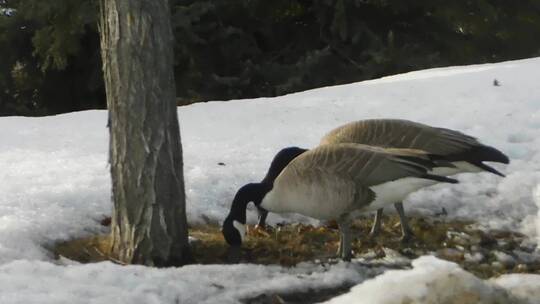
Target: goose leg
x,y
262,217
406,231
376,228
345,248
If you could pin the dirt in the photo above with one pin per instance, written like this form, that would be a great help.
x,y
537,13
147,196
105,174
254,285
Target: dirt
x,y
484,253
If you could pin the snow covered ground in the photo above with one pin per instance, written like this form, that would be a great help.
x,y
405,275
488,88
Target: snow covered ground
x,y
435,281
55,186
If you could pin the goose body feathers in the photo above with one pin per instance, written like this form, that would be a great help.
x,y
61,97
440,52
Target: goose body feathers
x,y
458,153
464,152
332,180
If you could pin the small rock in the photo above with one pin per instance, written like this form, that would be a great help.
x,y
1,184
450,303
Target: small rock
x,y
460,248
193,240
487,240
379,252
408,252
106,221
484,266
497,265
475,257
451,254
475,240
528,246
505,234
505,259
475,248
506,245
526,257
521,268
442,213
459,238
482,250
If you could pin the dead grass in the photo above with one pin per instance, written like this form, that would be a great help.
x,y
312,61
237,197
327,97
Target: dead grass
x,y
87,250
290,244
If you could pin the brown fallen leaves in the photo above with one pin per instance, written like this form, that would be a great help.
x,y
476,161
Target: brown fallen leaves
x,y
290,244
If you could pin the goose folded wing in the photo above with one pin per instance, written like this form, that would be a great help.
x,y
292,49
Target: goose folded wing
x,y
399,133
368,165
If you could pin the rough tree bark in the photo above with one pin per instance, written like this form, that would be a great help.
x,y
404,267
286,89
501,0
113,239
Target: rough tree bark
x,y
149,220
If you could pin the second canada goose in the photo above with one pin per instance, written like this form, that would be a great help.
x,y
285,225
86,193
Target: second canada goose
x,y
464,151
334,182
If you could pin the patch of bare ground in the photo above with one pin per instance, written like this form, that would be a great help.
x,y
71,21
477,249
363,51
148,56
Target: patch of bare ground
x,y
483,253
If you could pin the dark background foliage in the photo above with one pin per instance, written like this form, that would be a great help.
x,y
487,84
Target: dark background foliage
x,y
50,59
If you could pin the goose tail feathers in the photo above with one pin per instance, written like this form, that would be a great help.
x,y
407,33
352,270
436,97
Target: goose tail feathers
x,y
486,153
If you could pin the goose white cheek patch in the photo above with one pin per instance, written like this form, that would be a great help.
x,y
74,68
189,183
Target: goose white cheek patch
x,y
241,229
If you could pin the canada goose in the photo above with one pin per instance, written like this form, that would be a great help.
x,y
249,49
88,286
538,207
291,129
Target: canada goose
x,y
464,151
334,182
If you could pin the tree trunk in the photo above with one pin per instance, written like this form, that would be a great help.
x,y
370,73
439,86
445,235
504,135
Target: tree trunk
x,y
149,219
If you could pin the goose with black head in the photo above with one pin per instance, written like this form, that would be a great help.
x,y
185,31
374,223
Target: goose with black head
x,y
464,152
334,182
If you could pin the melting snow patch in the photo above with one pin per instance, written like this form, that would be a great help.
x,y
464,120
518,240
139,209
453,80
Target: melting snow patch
x,y
537,200
55,185
46,283
434,281
524,286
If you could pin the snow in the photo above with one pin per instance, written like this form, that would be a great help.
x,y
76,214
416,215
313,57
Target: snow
x,y
55,183
45,283
434,281
525,286
537,200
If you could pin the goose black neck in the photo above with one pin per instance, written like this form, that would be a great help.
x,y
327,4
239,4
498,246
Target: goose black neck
x,y
253,192
280,161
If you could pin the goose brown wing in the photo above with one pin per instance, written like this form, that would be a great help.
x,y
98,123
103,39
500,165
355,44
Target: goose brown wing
x,y
366,165
398,133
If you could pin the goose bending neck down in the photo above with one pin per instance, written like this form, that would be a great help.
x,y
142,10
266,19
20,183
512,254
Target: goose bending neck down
x,y
334,182
234,225
465,153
